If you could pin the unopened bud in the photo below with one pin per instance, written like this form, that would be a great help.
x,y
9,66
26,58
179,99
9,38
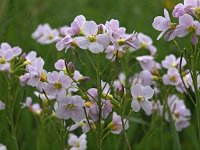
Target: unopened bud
x,y
83,79
101,28
71,68
194,40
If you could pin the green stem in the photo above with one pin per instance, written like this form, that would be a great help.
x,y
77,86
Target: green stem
x,y
175,136
11,113
99,101
62,135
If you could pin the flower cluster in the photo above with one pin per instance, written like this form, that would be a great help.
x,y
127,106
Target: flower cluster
x,y
185,13
8,56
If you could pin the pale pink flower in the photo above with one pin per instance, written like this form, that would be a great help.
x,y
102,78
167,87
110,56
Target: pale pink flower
x,y
147,43
35,108
71,107
180,114
164,25
172,77
116,124
187,25
92,40
146,62
77,143
141,95
58,83
171,62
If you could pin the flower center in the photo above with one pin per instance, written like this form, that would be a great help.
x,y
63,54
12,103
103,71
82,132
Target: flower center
x,y
173,78
81,123
92,38
88,104
173,65
143,45
140,98
191,28
70,106
121,42
173,26
2,60
57,85
197,11
77,144
43,77
50,37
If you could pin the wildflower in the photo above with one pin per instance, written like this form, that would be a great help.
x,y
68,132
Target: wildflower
x,y
44,34
30,57
180,113
172,77
113,53
7,53
164,25
187,25
37,74
2,105
83,124
193,7
65,42
77,143
146,77
93,109
113,29
147,43
94,42
24,79
171,62
76,26
179,10
146,62
57,84
156,108
116,124
35,108
71,107
141,95
126,41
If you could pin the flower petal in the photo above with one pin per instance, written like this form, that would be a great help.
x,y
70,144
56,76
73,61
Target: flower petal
x,y
135,105
146,106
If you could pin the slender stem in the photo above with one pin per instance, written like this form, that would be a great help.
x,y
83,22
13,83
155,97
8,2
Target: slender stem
x,y
99,101
175,135
62,135
11,113
197,95
123,125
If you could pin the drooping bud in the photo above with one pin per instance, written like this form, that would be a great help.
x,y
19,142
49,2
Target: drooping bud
x,y
83,79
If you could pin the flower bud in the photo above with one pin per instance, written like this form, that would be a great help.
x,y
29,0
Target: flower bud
x,y
83,79
71,68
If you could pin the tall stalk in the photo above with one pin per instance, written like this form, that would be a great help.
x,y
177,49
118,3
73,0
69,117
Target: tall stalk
x,y
11,107
98,73
194,75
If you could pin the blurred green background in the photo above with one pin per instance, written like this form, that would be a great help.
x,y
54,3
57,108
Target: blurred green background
x,y
19,18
